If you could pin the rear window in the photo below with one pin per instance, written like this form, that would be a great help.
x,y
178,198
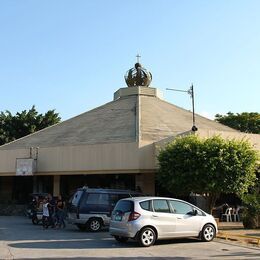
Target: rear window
x,y
76,197
124,206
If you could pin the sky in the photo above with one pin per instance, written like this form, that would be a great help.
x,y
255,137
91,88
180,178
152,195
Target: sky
x,y
71,56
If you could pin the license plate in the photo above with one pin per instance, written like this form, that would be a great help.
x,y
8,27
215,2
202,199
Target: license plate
x,y
118,218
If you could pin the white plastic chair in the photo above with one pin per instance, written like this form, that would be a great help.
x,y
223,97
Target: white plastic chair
x,y
236,214
227,215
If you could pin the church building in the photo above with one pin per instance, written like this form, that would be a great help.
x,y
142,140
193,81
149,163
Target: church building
x,y
112,146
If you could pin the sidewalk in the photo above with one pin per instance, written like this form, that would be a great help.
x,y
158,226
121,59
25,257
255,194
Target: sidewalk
x,y
234,231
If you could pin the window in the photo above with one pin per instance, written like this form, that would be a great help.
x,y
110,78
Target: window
x,y
114,199
161,206
97,199
76,197
103,199
146,205
179,207
124,206
92,198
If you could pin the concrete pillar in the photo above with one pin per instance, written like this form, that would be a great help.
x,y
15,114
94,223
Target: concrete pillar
x,y
56,185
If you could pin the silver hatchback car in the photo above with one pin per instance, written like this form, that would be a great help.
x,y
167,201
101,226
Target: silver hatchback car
x,y
147,219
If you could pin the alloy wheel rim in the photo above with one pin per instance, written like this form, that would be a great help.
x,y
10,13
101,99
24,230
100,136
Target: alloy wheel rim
x,y
147,237
95,225
208,233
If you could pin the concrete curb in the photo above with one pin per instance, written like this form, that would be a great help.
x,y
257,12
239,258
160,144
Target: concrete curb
x,y
254,240
5,252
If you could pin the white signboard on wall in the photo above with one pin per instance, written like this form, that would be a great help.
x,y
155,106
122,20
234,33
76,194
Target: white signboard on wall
x,y
25,167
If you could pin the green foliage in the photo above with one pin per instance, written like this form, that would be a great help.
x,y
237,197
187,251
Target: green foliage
x,y
244,122
251,202
16,126
207,166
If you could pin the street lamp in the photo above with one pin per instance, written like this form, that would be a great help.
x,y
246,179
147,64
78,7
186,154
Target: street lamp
x,y
190,91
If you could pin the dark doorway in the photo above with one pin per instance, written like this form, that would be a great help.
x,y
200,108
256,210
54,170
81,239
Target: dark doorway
x,y
22,187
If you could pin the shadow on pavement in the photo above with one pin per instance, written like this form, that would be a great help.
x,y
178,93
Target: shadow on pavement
x,y
92,243
118,258
19,232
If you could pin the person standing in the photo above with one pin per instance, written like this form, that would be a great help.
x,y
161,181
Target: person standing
x,y
52,207
60,206
45,213
34,208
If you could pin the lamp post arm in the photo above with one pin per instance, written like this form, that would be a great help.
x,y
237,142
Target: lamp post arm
x,y
179,90
191,93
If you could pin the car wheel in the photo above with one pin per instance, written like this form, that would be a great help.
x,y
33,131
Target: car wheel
x,y
82,227
147,237
35,221
94,224
121,239
208,233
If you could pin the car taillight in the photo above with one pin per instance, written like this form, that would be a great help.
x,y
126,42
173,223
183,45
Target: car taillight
x,y
133,216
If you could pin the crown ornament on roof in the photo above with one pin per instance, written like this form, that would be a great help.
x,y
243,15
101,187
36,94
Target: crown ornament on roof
x,y
138,76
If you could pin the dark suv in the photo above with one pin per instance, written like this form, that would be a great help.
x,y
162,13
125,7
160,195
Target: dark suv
x,y
90,209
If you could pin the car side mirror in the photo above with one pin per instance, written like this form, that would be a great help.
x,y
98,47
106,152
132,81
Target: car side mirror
x,y
194,212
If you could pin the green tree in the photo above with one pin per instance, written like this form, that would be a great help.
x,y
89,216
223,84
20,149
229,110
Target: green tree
x,y
244,122
207,166
251,202
16,126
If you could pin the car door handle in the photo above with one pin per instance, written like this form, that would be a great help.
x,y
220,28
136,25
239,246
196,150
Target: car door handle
x,y
179,218
154,216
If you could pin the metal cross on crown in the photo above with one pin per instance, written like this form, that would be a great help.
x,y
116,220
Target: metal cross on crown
x,y
137,57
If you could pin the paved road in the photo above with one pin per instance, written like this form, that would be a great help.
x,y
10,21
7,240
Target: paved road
x,y
19,239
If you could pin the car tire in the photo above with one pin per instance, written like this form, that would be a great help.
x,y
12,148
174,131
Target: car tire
x,y
35,221
94,224
208,233
82,227
147,237
121,239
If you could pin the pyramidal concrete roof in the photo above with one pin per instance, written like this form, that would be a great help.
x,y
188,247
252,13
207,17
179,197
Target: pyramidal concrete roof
x,y
136,114
160,119
112,122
